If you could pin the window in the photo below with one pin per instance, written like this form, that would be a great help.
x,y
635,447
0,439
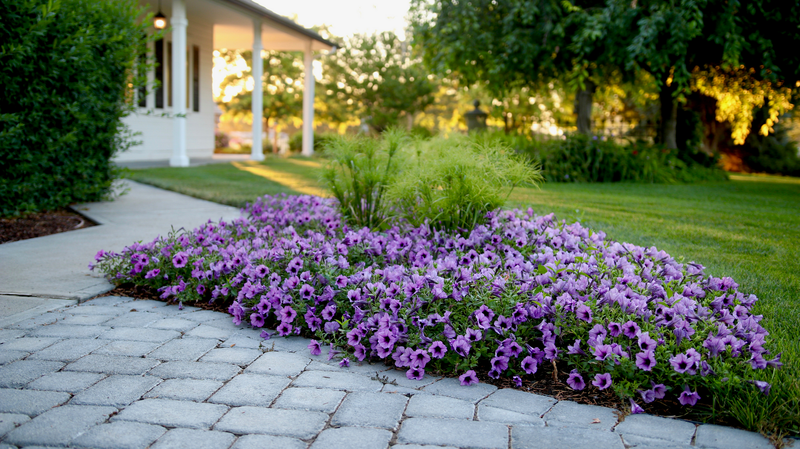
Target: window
x,y
160,73
169,74
196,78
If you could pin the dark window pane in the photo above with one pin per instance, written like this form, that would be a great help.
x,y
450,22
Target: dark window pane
x,y
169,74
159,73
196,78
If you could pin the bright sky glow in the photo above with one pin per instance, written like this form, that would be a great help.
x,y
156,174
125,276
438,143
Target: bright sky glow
x,y
345,17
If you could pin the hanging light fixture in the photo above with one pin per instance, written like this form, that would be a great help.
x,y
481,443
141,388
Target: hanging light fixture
x,y
160,20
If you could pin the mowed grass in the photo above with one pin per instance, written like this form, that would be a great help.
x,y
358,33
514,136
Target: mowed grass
x,y
747,228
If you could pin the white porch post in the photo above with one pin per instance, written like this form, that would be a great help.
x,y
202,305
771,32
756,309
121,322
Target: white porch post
x,y
308,103
179,23
257,153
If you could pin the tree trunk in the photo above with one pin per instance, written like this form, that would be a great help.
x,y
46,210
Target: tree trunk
x,y
583,108
669,117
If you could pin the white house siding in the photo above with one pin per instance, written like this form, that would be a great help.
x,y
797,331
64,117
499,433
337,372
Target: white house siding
x,y
155,130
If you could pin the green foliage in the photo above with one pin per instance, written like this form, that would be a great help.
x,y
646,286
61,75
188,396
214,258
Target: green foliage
x,y
374,77
579,158
359,170
775,153
320,142
454,182
67,77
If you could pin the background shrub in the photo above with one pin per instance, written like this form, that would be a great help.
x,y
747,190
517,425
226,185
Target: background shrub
x,y
67,77
320,142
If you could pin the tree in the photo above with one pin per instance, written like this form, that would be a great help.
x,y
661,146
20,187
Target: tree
x,y
282,86
374,77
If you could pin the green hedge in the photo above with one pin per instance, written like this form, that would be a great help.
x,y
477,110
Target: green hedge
x,y
66,80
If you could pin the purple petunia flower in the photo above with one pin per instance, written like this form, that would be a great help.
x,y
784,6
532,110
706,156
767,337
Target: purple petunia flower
x,y
344,363
630,329
152,273
680,363
468,378
602,352
635,409
602,381
437,349
180,259
575,348
461,346
517,381
763,386
648,396
575,381
257,320
529,365
584,313
265,335
419,358
331,327
284,329
314,347
688,397
473,335
614,329
415,373
646,360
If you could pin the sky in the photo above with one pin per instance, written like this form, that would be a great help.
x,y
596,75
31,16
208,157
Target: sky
x,y
345,17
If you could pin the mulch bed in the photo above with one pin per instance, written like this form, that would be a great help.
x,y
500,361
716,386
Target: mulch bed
x,y
545,384
41,224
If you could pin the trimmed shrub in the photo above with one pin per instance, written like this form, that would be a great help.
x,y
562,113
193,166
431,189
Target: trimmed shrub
x,y
67,77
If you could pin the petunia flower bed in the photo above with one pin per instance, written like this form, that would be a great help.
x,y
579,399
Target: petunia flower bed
x,y
514,295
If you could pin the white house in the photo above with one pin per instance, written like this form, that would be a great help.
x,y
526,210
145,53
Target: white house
x,y
176,121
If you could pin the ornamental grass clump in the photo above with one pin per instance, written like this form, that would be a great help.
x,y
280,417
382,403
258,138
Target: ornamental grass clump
x,y
511,296
454,182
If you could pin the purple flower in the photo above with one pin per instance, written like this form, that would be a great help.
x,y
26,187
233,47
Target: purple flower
x,y
602,352
646,360
575,381
416,373
688,397
575,348
763,386
437,349
265,335
614,329
344,363
517,381
257,320
468,378
314,347
500,363
659,390
331,327
648,396
635,409
385,338
180,259
529,365
287,314
473,335
680,363
602,381
152,273
284,329
630,329
420,358
584,313
461,346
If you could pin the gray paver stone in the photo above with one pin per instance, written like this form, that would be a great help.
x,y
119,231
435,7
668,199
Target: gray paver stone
x,y
69,350
352,438
362,409
713,436
108,364
430,406
581,415
420,446
639,442
174,324
290,344
264,441
57,427
291,423
501,415
279,364
240,340
224,322
120,435
19,373
7,335
134,319
527,437
250,389
30,402
337,381
196,370
69,331
185,349
520,401
86,320
650,426
202,316
314,399
365,369
7,356
185,389
107,301
35,322
453,432
69,381
116,391
195,439
235,356
92,308
389,388
171,413
127,348
138,334
453,388
400,379
206,331
9,421
29,344
149,305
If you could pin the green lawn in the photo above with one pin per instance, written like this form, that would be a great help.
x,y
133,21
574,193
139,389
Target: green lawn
x,y
747,228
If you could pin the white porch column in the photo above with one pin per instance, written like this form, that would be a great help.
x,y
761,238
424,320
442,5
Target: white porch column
x,y
179,23
257,153
308,103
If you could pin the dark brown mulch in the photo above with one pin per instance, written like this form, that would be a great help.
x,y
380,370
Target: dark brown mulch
x,y
545,383
41,224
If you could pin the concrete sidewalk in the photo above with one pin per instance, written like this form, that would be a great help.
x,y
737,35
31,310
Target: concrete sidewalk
x,y
119,373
